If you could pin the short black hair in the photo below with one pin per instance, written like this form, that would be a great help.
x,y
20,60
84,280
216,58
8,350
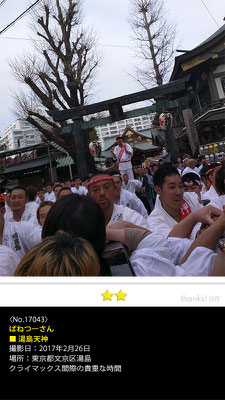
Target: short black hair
x,y
203,170
32,192
190,175
64,188
58,185
212,166
19,188
166,169
116,174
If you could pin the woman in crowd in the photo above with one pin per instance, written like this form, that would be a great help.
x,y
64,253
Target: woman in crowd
x,y
151,254
60,255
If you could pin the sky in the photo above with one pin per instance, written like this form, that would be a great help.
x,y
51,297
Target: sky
x,y
108,18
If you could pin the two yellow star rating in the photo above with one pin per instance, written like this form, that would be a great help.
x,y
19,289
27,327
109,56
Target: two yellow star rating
x,y
108,296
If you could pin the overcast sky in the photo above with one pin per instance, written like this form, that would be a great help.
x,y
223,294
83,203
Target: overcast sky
x,y
109,20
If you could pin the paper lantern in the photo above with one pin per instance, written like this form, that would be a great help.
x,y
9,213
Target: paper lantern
x,y
95,149
165,121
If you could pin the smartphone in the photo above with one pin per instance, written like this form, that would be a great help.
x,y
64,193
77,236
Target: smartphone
x,y
117,259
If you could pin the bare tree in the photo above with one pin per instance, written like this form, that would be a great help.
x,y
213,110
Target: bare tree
x,y
155,37
60,72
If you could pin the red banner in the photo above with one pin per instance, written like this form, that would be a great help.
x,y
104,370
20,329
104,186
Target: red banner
x,y
6,162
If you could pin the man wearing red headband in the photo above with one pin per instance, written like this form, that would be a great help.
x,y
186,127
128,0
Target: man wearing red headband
x,y
123,153
192,183
101,188
211,194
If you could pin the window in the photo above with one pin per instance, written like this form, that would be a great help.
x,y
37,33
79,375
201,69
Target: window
x,y
223,83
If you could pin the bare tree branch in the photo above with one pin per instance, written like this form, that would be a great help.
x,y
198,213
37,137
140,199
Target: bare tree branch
x,y
154,36
62,68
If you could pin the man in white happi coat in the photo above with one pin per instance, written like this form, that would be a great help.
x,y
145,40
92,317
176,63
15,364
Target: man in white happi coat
x,y
49,195
192,183
211,194
151,254
19,208
101,188
9,261
130,184
125,198
77,187
219,201
19,236
173,205
40,196
122,154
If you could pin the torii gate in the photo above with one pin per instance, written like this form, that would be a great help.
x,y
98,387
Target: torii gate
x,y
114,106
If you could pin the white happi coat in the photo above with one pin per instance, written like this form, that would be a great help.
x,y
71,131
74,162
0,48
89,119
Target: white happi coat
x,y
21,236
157,256
132,201
50,196
160,221
80,191
132,185
125,161
211,194
123,213
8,261
218,202
27,214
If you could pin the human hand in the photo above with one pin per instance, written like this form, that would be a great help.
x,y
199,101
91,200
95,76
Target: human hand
x,y
208,214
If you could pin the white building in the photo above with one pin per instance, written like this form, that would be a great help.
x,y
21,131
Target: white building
x,y
20,134
117,128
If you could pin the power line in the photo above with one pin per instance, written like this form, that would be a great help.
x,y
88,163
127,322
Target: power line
x,y
18,38
2,2
19,17
210,13
38,40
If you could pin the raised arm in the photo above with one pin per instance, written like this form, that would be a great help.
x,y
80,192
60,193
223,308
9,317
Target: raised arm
x,y
205,215
208,238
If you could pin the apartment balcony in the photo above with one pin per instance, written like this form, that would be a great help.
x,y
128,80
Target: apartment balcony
x,y
213,111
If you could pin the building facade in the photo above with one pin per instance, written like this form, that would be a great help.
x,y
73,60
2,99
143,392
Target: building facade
x,y
117,128
20,134
205,67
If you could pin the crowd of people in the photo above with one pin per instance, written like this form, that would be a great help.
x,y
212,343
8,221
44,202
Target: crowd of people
x,y
168,219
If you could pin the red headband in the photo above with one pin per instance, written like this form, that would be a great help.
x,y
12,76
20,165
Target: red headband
x,y
212,169
104,178
2,198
